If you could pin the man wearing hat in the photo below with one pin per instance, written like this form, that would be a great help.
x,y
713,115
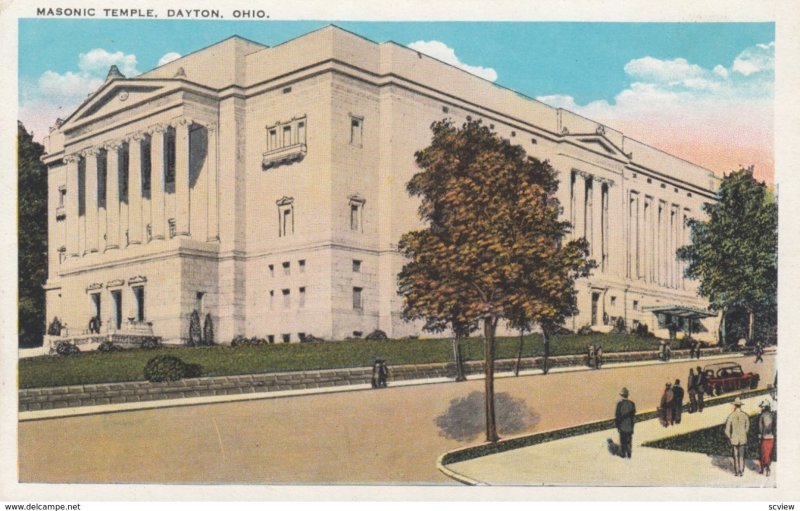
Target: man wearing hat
x,y
736,428
766,435
624,419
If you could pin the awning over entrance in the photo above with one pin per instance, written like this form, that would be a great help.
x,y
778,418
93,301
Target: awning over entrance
x,y
681,311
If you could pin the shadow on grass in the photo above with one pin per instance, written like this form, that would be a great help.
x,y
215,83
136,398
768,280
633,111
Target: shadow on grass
x,y
465,418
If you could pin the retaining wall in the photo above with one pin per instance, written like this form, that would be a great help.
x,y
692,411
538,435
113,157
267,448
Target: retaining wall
x,y
129,392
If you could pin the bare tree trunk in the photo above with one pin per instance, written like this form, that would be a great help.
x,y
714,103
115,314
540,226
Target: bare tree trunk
x,y
459,359
489,327
546,358
751,327
722,331
519,353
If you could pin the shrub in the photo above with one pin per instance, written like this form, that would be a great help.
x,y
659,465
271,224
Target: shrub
x,y
195,332
314,338
55,327
377,335
208,331
64,348
108,346
619,326
641,330
169,368
149,343
241,340
585,330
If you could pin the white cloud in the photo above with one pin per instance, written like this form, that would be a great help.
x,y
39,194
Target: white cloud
x,y
441,51
678,103
56,94
97,62
168,57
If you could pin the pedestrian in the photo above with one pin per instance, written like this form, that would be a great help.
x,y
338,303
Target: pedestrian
x,y
691,354
697,349
383,374
665,407
677,402
624,417
590,356
702,383
766,436
667,352
736,427
759,353
376,373
598,355
691,387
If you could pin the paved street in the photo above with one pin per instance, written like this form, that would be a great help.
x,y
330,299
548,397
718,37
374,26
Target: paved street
x,y
367,436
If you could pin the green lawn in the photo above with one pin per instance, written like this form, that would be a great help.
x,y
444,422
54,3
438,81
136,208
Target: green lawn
x,y
95,367
712,441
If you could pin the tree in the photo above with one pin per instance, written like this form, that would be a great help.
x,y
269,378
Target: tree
x,y
32,238
734,253
491,248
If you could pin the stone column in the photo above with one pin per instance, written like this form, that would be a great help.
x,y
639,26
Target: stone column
x,y
182,127
157,181
112,195
212,207
92,233
579,202
637,271
135,189
597,223
72,221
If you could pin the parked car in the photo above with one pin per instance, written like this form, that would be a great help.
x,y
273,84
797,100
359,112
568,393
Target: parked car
x,y
727,377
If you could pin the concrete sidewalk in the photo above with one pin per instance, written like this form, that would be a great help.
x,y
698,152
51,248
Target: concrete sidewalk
x,y
192,401
585,460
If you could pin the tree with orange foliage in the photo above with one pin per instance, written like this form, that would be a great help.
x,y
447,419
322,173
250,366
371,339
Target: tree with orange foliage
x,y
492,247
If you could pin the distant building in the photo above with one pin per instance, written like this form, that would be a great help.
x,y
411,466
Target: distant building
x,y
265,188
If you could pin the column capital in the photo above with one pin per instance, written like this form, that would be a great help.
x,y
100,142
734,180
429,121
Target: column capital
x,y
113,145
136,136
180,121
71,158
157,128
583,174
211,126
89,152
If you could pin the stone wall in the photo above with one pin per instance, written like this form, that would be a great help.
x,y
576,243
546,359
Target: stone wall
x,y
132,392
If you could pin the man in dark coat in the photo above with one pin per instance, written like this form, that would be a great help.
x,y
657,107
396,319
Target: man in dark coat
x,y
702,383
677,402
665,407
624,417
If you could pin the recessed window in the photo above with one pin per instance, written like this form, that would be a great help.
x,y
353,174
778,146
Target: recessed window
x,y
285,216
357,213
301,336
102,175
123,169
513,133
138,295
356,266
169,158
636,305
287,300
534,141
271,339
286,337
613,301
271,270
62,192
649,180
272,299
302,265
357,334
146,164
445,109
357,299
302,301
356,130
287,136
287,270
287,90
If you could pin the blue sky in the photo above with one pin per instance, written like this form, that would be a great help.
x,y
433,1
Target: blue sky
x,y
592,68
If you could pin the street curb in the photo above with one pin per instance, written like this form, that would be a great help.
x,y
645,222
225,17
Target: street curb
x,y
488,449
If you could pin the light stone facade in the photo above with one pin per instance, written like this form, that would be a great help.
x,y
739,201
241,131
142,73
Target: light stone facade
x,y
265,187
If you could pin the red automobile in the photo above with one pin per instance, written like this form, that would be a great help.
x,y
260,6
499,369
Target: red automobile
x,y
727,377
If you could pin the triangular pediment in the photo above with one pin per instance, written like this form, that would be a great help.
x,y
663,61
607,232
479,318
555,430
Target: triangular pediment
x,y
119,94
599,144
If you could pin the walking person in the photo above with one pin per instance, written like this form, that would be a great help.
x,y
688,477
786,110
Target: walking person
x,y
665,406
766,436
677,402
598,355
624,417
662,350
759,353
691,389
590,356
697,349
736,427
702,383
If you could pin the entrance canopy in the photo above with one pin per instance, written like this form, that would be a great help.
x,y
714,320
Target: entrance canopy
x,y
681,311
